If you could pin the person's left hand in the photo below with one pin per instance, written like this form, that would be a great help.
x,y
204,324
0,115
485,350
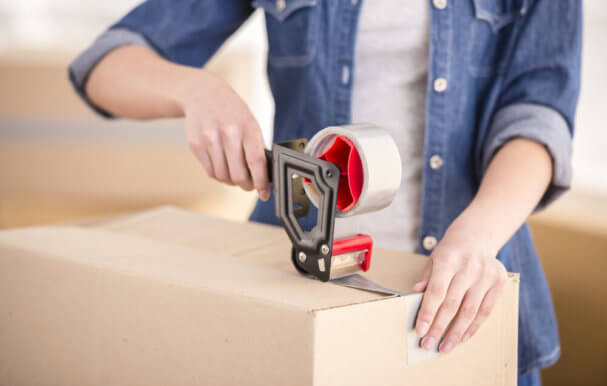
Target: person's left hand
x,y
462,282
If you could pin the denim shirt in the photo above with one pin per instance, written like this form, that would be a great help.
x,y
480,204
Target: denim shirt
x,y
499,69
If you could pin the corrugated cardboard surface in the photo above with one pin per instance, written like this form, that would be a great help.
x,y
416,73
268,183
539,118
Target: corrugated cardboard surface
x,y
170,297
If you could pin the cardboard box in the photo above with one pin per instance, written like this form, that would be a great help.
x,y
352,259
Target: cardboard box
x,y
576,225
171,297
58,182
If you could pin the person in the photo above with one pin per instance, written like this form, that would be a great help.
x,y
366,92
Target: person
x,y
480,96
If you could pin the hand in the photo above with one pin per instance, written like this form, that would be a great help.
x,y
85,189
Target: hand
x,y
463,281
223,134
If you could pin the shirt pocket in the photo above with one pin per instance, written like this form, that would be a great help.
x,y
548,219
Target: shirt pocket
x,y
491,33
292,31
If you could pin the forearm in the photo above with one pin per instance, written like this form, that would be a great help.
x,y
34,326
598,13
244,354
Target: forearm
x,y
514,183
134,82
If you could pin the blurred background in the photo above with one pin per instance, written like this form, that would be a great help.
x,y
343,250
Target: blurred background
x,y
58,161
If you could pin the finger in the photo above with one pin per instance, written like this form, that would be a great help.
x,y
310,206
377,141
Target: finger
x,y
433,298
198,149
214,148
421,285
203,157
484,311
237,167
465,316
447,310
256,161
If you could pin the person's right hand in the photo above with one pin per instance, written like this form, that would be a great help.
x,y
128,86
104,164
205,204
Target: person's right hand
x,y
223,134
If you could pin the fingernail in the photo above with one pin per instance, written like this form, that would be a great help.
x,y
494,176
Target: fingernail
x,y
429,343
446,346
264,195
466,337
421,329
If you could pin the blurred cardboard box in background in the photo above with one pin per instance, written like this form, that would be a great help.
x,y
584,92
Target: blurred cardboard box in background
x,y
59,161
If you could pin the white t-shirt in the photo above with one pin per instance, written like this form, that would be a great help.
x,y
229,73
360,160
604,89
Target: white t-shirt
x,y
390,76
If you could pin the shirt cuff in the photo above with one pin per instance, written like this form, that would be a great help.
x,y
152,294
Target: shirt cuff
x,y
82,66
543,125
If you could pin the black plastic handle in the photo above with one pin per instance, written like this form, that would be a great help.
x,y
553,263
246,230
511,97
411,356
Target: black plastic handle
x,y
311,249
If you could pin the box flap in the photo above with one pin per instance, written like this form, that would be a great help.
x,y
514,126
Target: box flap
x,y
254,243
195,230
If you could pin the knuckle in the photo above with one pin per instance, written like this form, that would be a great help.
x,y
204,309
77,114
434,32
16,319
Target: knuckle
x,y
455,262
230,134
455,334
435,290
450,306
256,167
209,136
425,316
485,271
484,312
240,179
472,267
474,328
494,276
195,146
250,126
467,312
447,259
222,176
257,160
223,179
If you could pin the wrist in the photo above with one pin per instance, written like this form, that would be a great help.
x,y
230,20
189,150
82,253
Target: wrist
x,y
475,230
190,83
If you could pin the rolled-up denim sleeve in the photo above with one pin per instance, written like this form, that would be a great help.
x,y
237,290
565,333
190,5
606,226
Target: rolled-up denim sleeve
x,y
542,125
81,67
540,88
184,32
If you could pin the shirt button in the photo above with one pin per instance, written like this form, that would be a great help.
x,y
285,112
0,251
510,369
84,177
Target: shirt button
x,y
440,84
280,5
440,4
345,74
429,242
436,162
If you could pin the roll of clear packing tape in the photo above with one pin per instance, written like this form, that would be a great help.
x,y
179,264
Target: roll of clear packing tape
x,y
369,162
